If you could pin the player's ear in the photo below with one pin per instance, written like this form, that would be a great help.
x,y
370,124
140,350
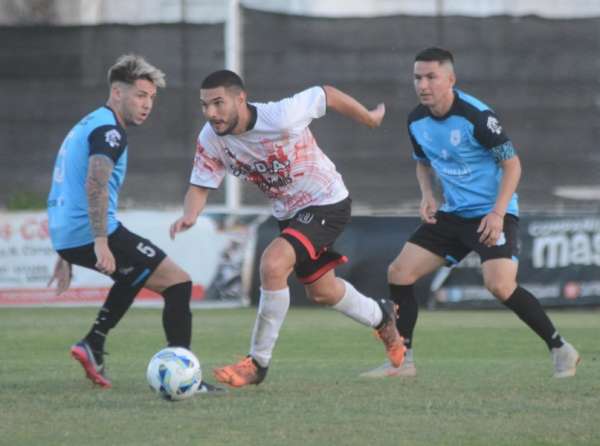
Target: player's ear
x,y
242,97
116,90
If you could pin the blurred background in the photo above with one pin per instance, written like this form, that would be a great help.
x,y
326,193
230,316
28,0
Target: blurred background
x,y
536,63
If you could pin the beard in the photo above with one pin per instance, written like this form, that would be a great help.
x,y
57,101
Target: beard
x,y
233,124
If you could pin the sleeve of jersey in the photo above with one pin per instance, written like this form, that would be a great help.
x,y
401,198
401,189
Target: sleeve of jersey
x,y
108,140
208,170
418,153
299,110
490,134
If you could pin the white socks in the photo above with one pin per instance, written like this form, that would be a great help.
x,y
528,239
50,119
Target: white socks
x,y
359,307
272,309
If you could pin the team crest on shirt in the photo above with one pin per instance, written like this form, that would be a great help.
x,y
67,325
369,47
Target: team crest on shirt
x,y
494,125
455,137
113,138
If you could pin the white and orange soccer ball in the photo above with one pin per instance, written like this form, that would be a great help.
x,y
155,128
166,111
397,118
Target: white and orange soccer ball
x,y
174,373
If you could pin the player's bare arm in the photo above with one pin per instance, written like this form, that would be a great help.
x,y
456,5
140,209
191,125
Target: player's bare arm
x,y
96,185
193,204
428,206
492,224
348,106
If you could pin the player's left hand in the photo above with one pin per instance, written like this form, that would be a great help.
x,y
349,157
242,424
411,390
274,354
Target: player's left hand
x,y
62,275
490,228
377,115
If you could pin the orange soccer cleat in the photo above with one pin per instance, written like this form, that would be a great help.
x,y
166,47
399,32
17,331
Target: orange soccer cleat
x,y
388,333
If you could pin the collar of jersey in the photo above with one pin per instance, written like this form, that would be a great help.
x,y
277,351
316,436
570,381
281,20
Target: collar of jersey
x,y
253,117
450,112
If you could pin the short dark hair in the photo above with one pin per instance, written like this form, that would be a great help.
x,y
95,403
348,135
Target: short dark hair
x,y
435,54
222,78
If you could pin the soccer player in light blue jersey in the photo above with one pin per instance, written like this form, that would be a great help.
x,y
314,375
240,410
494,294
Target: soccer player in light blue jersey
x,y
82,207
460,140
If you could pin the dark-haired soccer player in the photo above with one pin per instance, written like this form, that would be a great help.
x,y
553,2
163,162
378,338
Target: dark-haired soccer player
x,y
88,174
460,140
271,145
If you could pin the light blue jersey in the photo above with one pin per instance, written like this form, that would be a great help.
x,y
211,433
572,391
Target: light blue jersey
x,y
464,148
68,221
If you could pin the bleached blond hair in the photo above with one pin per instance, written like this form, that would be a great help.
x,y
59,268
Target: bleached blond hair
x,y
130,67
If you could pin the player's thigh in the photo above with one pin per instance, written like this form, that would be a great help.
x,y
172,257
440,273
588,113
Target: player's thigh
x,y
412,263
167,274
500,276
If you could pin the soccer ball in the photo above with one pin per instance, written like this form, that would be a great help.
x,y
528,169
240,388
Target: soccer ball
x,y
174,373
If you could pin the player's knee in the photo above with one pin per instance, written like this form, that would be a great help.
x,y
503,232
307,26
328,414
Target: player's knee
x,y
183,276
326,292
322,297
500,290
272,269
398,275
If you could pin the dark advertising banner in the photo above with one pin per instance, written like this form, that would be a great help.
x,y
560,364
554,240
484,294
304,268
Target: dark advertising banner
x,y
559,262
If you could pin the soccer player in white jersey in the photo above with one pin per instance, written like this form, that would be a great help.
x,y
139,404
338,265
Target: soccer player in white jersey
x,y
271,145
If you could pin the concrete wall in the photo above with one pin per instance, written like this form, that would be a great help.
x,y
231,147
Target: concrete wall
x,y
541,76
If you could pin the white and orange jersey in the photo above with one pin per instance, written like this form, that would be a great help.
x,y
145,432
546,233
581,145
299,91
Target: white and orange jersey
x,y
278,153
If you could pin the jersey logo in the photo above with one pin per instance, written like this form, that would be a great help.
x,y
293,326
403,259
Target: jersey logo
x,y
455,137
494,125
113,138
305,217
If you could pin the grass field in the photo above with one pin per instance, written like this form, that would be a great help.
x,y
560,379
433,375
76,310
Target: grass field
x,y
484,379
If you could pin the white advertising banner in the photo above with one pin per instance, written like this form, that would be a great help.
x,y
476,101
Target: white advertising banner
x,y
217,253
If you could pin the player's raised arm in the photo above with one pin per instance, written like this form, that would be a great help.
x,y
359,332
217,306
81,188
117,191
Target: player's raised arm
x,y
96,186
348,106
193,204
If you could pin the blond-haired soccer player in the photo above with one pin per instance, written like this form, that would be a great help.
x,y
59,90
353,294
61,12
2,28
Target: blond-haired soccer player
x,y
82,206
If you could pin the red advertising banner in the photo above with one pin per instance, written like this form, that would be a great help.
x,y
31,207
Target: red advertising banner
x,y
214,252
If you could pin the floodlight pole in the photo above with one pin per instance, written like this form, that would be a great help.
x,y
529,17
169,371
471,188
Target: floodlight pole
x,y
233,62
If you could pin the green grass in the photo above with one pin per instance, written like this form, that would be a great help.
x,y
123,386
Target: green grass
x,y
483,379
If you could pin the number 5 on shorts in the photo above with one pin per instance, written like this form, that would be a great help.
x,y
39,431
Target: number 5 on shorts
x,y
147,250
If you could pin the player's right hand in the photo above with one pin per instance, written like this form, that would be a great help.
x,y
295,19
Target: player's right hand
x,y
181,224
105,261
427,210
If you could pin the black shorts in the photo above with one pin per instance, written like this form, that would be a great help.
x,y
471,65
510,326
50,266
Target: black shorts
x,y
453,237
136,257
312,232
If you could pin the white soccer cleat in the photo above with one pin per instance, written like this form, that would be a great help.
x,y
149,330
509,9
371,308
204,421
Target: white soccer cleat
x,y
407,369
565,360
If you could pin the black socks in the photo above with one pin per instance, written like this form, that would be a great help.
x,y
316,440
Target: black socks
x,y
408,310
177,318
530,311
119,299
